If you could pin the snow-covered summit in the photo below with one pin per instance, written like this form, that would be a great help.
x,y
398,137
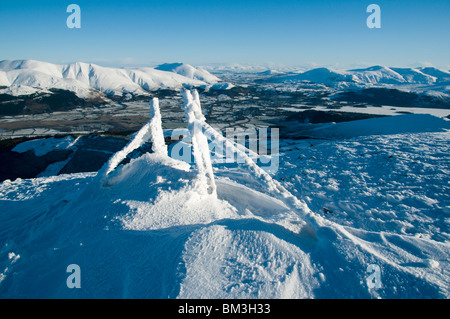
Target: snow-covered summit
x,y
377,74
189,72
319,75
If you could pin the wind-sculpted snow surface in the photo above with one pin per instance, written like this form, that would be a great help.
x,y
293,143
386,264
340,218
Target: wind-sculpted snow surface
x,y
248,264
149,233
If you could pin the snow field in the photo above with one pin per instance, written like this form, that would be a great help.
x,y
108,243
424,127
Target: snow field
x,y
247,264
399,183
40,147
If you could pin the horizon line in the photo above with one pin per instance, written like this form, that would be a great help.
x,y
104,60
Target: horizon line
x,y
266,65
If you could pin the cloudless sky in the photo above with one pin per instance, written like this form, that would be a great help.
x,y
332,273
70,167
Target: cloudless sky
x,y
316,32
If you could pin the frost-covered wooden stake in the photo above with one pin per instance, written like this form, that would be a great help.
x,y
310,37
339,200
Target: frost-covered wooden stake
x,y
150,131
202,156
157,135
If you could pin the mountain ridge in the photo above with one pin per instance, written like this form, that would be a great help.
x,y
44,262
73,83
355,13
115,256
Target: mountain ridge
x,y
87,78
373,75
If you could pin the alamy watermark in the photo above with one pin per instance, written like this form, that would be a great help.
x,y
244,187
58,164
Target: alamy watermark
x,y
374,19
373,280
74,279
74,19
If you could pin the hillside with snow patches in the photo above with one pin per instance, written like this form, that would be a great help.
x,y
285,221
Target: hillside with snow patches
x,y
159,227
22,77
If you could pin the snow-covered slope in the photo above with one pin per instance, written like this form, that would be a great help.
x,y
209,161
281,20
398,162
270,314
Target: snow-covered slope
x,y
41,147
415,76
441,75
85,79
408,123
378,202
378,74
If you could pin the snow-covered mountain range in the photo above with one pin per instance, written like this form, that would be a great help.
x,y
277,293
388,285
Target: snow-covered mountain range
x,y
23,77
369,76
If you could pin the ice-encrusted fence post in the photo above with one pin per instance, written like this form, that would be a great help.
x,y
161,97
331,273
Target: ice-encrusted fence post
x,y
158,144
200,147
151,130
197,123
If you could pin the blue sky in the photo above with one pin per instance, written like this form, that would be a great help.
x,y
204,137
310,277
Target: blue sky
x,y
298,33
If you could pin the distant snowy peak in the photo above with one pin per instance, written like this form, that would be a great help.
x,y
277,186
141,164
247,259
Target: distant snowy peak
x,y
377,74
271,72
189,72
372,75
85,79
234,68
324,75
381,74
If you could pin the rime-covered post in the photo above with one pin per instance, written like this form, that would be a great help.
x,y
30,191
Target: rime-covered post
x,y
151,130
158,144
200,147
